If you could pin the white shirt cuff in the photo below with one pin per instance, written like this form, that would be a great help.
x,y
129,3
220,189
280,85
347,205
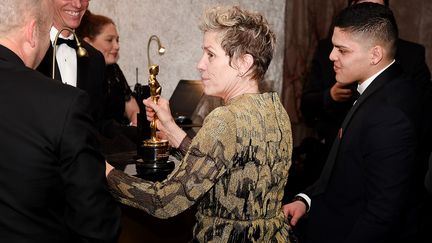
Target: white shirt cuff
x,y
305,197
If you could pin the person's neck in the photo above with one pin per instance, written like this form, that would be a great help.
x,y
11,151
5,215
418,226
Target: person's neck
x,y
251,88
378,69
18,49
65,33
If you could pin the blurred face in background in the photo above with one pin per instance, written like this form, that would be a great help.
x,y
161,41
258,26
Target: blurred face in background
x,y
107,42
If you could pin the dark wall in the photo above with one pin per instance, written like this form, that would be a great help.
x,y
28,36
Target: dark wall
x,y
414,18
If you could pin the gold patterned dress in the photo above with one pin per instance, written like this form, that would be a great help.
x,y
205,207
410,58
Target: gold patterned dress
x,y
235,169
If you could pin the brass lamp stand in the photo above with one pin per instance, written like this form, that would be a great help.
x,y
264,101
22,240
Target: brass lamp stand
x,y
81,51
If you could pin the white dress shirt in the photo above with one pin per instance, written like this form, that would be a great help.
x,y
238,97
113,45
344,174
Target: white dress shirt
x,y
362,87
66,59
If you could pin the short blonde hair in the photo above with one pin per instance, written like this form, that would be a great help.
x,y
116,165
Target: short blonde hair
x,y
243,32
15,13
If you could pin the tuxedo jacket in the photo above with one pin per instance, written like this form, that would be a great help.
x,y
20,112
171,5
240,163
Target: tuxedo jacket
x,y
318,108
90,77
52,177
368,191
428,178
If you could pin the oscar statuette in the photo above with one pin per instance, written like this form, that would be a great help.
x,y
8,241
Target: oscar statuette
x,y
153,163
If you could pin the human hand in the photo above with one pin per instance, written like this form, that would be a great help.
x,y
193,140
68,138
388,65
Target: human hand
x,y
340,92
295,209
165,122
108,168
162,111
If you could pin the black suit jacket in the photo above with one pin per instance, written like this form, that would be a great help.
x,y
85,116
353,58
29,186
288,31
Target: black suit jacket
x,y
52,177
368,190
90,77
428,178
326,115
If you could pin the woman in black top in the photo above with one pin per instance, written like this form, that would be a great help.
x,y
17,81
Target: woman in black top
x,y
101,32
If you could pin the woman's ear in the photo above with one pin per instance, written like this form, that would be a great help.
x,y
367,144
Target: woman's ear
x,y
246,63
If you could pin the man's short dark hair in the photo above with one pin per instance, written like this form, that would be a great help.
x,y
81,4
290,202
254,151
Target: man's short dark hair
x,y
351,2
372,20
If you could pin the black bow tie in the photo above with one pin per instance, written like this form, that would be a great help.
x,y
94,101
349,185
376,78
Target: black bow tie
x,y
69,42
355,94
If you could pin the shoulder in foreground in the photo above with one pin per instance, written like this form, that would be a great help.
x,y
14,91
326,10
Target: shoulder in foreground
x,y
40,81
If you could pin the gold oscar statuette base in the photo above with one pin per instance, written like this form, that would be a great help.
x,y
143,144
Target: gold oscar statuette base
x,y
153,163
154,151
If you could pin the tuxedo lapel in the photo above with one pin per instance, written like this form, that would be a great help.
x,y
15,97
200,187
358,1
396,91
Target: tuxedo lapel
x,y
85,68
45,66
376,84
82,70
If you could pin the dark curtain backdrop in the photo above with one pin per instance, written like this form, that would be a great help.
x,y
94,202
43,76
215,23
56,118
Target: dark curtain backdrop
x,y
307,21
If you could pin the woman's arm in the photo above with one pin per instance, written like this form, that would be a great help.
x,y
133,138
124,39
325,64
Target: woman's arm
x,y
131,111
165,122
207,159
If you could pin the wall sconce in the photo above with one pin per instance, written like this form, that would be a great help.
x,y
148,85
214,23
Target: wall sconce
x,y
81,51
161,49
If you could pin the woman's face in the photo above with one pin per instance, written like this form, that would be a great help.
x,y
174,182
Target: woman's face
x,y
218,77
107,42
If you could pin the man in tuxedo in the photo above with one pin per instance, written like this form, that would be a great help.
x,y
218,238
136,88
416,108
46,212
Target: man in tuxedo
x,y
326,102
53,186
87,72
368,190
428,178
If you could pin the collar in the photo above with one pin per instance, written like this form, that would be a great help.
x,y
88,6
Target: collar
x,y
362,87
10,56
53,33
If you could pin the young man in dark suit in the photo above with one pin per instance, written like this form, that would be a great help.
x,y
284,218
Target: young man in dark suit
x,y
325,102
368,190
53,187
428,178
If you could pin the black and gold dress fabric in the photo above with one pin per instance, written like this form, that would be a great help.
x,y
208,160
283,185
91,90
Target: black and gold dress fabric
x,y
235,169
